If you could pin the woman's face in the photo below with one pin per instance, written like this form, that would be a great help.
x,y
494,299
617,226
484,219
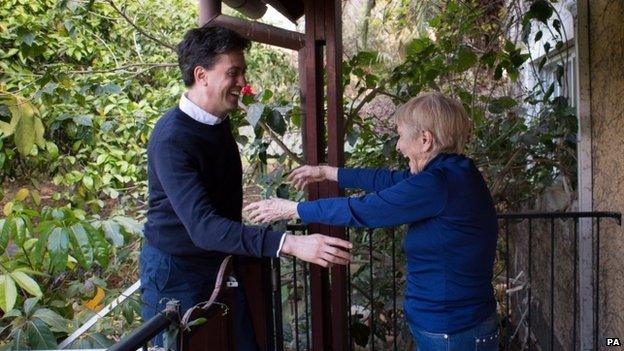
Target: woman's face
x,y
416,147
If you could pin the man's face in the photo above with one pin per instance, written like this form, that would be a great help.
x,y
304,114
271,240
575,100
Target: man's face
x,y
222,84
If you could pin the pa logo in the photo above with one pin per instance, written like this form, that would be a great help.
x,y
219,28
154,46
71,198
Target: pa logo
x,y
613,342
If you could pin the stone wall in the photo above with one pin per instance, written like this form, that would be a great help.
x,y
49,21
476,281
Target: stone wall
x,y
555,199
606,52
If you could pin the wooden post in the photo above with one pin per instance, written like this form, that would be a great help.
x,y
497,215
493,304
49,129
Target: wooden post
x,y
310,73
208,9
335,150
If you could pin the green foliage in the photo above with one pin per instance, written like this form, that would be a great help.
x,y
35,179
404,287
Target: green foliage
x,y
53,248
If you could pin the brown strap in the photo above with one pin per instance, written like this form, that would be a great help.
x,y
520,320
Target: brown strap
x,y
215,292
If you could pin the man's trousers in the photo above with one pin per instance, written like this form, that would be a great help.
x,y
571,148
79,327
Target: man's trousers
x,y
189,281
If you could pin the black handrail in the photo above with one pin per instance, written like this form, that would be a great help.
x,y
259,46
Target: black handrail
x,y
140,337
561,215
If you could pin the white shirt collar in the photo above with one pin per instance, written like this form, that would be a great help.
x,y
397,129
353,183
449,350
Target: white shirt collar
x,y
197,113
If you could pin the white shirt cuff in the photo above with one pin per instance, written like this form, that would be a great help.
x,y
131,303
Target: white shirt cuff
x,y
279,248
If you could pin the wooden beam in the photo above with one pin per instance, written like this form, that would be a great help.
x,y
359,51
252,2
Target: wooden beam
x,y
262,33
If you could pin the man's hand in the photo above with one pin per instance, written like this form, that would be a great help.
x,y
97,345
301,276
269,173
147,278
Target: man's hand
x,y
271,210
304,175
316,248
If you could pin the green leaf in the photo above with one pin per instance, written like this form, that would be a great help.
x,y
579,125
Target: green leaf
x,y
39,131
417,45
276,122
55,321
21,230
366,58
112,232
110,88
84,120
82,249
541,10
88,182
29,304
196,322
501,104
266,96
52,149
49,88
24,135
295,116
254,112
12,314
130,225
41,244
4,237
27,283
538,35
466,58
40,336
8,293
128,313
58,243
20,339
58,240
27,38
101,247
557,25
93,341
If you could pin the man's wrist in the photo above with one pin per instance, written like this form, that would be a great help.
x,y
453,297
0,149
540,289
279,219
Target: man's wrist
x,y
280,248
287,244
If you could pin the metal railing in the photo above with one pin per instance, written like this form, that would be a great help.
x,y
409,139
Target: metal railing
x,y
141,336
375,286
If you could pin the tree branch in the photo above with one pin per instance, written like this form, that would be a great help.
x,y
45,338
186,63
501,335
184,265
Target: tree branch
x,y
279,142
363,102
275,138
121,68
123,14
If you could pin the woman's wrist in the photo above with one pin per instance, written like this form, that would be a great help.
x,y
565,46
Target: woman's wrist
x,y
294,212
330,173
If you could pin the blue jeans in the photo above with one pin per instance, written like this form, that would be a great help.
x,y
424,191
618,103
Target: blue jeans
x,y
482,337
190,281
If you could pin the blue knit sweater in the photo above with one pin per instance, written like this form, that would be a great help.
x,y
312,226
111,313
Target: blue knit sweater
x,y
195,192
451,240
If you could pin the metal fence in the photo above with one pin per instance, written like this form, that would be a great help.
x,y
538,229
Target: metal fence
x,y
375,283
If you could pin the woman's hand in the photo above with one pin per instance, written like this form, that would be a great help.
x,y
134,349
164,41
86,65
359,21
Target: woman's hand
x,y
304,175
271,210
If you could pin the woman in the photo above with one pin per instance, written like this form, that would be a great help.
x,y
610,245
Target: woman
x,y
451,240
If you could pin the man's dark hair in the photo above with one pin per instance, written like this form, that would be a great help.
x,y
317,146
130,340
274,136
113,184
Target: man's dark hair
x,y
201,47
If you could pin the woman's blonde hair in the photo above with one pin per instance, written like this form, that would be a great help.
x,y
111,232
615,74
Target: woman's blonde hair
x,y
444,117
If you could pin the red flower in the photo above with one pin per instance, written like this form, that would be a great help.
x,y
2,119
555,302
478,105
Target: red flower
x,y
247,90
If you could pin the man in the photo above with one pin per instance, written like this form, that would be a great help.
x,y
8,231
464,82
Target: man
x,y
195,188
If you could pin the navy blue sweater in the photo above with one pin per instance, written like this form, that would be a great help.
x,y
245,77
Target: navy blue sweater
x,y
451,239
195,192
